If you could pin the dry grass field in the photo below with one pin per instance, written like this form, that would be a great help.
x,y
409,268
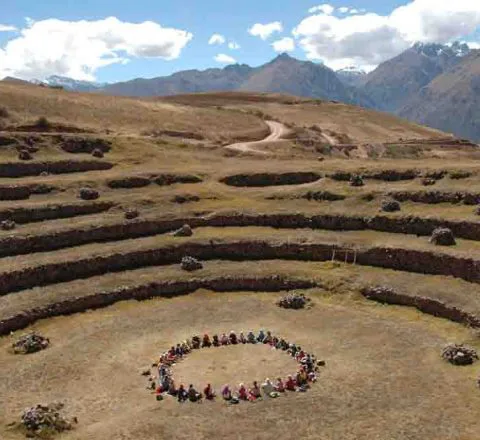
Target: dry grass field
x,y
111,296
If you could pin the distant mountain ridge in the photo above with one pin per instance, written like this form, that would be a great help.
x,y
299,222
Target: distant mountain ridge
x,y
69,84
451,101
433,84
283,74
393,83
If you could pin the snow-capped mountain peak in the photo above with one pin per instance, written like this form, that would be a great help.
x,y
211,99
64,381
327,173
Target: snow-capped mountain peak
x,y
455,49
69,83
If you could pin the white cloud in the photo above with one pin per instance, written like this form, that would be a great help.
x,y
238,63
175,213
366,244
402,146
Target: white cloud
x,y
217,39
224,59
233,45
264,31
343,10
367,39
354,11
77,49
7,28
284,45
324,9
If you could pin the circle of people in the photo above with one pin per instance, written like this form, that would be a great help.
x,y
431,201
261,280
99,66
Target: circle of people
x,y
306,374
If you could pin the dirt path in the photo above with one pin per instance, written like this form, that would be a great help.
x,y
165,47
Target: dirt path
x,y
277,131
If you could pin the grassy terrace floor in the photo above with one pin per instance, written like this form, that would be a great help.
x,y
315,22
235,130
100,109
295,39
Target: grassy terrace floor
x,y
342,239
373,354
335,279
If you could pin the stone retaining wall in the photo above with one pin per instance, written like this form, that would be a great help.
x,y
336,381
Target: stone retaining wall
x,y
22,169
408,260
426,305
157,289
18,245
47,212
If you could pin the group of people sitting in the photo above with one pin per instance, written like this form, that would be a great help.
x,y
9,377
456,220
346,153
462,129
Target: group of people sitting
x,y
300,381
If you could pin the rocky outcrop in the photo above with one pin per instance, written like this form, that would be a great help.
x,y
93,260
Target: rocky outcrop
x,y
131,214
167,289
19,245
271,179
20,169
7,225
390,206
434,307
442,237
88,194
190,264
409,260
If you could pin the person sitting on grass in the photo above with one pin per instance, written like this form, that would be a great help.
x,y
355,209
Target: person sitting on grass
x,y
216,342
242,392
302,377
280,386
312,377
172,389
178,351
162,371
208,392
268,338
242,339
261,336
224,339
186,348
233,338
158,393
196,342
254,393
226,393
206,341
165,384
267,387
182,394
251,338
193,395
299,356
290,384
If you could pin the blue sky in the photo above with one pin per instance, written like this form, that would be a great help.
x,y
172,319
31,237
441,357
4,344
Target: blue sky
x,y
81,44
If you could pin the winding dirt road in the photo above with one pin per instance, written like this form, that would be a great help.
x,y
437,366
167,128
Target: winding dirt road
x,y
277,131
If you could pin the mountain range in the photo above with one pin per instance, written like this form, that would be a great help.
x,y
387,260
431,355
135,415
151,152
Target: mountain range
x,y
437,85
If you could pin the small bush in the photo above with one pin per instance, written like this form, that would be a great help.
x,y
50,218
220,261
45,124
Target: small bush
x,y
43,123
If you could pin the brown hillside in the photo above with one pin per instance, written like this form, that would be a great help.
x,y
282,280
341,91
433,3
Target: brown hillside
x,y
452,100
